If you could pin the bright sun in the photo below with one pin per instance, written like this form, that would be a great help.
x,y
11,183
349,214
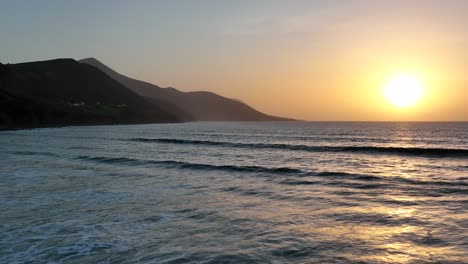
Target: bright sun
x,y
404,90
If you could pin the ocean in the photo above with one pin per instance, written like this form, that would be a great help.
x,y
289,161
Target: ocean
x,y
239,192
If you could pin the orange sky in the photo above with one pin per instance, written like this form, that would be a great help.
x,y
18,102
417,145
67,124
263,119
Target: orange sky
x,y
331,63
313,60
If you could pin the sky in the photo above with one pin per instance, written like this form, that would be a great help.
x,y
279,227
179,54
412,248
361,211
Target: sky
x,y
311,60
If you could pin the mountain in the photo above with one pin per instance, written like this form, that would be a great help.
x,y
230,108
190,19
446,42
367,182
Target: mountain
x,y
202,106
66,92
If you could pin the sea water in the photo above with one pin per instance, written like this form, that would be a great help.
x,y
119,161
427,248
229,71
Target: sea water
x,y
241,192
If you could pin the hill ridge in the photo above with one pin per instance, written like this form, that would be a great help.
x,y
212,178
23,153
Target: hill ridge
x,y
202,105
65,92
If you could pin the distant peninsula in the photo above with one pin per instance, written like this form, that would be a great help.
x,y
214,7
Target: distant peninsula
x,y
66,92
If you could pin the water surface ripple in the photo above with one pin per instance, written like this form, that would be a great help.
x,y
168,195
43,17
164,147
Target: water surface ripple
x,y
240,192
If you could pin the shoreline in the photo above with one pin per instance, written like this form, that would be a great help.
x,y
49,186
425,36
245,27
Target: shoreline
x,y
17,128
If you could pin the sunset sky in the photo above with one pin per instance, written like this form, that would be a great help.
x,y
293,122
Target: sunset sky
x,y
313,60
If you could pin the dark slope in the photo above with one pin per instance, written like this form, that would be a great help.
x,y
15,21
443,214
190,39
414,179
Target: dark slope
x,y
203,106
66,92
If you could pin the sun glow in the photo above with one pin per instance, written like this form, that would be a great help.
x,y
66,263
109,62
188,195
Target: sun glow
x,y
404,90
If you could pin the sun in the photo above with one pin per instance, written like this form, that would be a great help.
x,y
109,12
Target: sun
x,y
404,90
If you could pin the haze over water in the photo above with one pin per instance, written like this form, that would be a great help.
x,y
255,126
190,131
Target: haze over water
x,y
236,193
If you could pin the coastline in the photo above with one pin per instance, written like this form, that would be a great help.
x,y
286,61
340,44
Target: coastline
x,y
17,128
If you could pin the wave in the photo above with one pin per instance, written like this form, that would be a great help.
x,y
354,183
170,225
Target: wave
x,y
80,147
377,219
350,180
258,169
35,153
424,152
194,166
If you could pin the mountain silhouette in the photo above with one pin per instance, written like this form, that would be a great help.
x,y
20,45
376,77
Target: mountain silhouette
x,y
66,92
202,106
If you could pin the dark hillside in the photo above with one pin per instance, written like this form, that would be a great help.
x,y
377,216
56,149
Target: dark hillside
x,y
65,92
